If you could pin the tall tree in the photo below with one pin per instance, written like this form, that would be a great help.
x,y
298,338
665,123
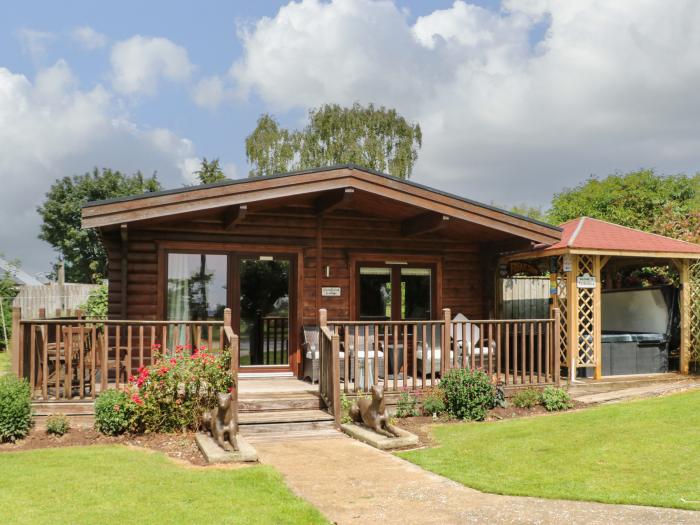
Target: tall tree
x,y
634,199
81,250
210,172
376,138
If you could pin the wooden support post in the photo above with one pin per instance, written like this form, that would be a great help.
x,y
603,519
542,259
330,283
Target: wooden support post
x,y
572,318
556,362
124,269
335,377
597,317
446,339
684,271
16,348
322,317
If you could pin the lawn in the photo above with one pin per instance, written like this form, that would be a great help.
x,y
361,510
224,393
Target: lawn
x,y
641,452
118,485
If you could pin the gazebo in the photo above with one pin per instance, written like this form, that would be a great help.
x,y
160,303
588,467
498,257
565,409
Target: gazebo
x,y
577,264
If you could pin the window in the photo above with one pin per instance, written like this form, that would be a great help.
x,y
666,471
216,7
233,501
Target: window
x,y
416,294
375,293
196,286
395,293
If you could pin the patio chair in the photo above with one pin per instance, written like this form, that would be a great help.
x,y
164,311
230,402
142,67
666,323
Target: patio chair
x,y
372,353
311,355
470,339
427,350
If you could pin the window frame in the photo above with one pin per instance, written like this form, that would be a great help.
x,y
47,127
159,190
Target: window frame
x,y
395,280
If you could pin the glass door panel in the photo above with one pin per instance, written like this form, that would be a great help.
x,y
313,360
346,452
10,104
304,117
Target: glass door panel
x,y
264,311
416,297
197,285
375,294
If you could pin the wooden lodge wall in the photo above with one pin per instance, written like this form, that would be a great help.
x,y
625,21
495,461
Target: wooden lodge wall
x,y
345,236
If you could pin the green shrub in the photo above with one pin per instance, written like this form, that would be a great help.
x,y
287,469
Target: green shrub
x,y
468,394
96,304
527,398
407,405
554,399
57,424
345,406
433,401
15,408
115,413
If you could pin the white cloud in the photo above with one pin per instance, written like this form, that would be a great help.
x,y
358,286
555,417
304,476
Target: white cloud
x,y
140,62
612,85
209,92
50,128
87,37
34,42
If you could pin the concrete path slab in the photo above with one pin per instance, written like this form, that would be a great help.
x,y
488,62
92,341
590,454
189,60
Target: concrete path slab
x,y
653,390
354,483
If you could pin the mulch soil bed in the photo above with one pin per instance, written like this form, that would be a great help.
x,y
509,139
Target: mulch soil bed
x,y
177,446
421,425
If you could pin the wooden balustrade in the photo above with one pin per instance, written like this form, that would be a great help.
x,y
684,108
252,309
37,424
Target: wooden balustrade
x,y
66,359
329,383
415,354
273,340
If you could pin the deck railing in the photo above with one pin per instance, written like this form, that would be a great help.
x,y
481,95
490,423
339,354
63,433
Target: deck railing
x,y
415,354
329,344
69,359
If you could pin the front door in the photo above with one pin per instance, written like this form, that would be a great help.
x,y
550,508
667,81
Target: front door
x,y
264,311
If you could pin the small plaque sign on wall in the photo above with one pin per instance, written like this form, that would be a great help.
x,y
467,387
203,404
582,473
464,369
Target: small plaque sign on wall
x,y
330,291
585,281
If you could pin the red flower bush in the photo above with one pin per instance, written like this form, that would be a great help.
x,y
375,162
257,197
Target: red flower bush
x,y
172,393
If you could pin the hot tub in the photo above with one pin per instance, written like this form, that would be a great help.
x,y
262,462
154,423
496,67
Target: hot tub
x,y
634,353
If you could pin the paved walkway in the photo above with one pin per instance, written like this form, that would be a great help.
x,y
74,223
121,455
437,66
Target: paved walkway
x,y
354,483
625,394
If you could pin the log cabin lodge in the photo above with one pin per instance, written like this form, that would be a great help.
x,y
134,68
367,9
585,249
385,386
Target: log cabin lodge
x,y
341,276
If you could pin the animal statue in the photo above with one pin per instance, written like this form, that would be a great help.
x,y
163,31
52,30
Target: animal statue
x,y
372,413
222,424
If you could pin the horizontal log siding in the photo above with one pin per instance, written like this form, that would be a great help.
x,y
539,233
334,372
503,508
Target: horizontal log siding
x,y
344,233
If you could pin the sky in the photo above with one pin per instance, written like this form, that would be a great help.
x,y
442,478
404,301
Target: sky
x,y
517,100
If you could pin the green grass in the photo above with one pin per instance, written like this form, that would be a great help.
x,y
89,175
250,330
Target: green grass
x,y
641,452
4,361
119,485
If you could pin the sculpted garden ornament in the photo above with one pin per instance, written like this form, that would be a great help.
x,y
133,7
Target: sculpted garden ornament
x,y
372,413
221,423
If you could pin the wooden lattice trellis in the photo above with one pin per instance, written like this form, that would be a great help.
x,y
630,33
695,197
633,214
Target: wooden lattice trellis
x,y
561,303
694,310
586,314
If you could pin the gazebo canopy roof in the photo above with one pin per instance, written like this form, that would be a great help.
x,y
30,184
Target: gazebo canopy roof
x,y
586,232
585,235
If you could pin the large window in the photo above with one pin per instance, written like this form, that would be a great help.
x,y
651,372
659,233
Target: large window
x,y
395,292
196,286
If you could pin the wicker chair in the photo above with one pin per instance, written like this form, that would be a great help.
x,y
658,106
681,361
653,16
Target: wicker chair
x,y
311,353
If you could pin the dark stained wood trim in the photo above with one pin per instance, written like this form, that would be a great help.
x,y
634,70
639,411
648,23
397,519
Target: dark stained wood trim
x,y
433,262
423,223
234,215
319,259
124,238
332,199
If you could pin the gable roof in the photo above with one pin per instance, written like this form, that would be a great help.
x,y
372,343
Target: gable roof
x,y
18,275
586,233
257,189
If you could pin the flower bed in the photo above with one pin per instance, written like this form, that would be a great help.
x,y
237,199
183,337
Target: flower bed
x,y
171,394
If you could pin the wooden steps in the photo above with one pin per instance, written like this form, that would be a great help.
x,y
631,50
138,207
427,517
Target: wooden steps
x,y
280,401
